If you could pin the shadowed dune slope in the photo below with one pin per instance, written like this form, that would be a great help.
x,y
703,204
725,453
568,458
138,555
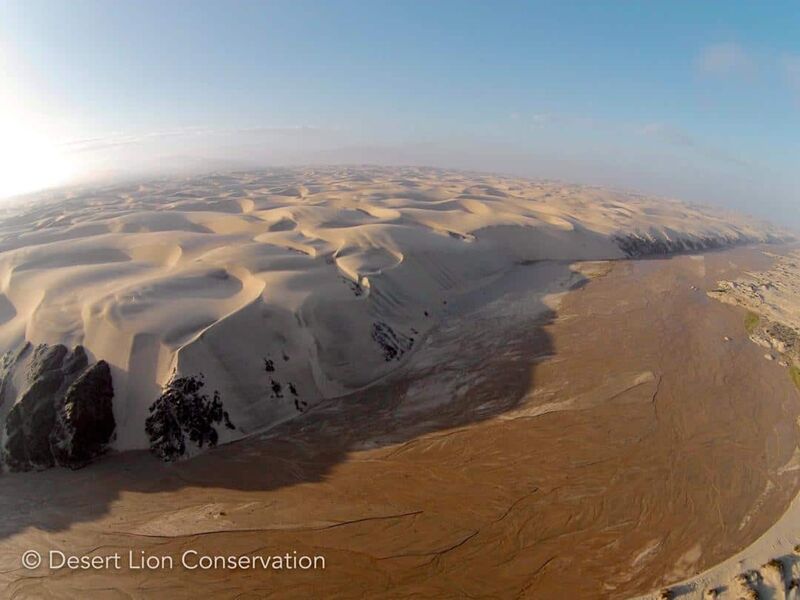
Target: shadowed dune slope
x,y
288,287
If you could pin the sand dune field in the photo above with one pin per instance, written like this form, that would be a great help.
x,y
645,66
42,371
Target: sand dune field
x,y
449,385
288,287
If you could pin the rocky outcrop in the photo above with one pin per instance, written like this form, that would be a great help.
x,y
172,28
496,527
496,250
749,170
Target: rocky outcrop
x,y
32,418
184,413
62,403
393,344
778,337
85,419
8,364
773,299
640,245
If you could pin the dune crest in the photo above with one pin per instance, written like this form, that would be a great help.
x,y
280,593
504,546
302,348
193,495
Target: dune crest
x,y
285,287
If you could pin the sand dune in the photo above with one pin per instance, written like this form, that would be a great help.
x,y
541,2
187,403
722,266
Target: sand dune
x,y
602,450
287,287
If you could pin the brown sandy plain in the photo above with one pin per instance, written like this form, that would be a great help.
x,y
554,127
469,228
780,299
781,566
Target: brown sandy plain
x,y
596,452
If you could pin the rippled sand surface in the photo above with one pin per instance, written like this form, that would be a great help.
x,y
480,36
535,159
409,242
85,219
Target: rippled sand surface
x,y
595,451
332,276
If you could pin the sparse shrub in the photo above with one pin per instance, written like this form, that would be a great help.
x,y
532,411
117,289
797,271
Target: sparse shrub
x,y
751,321
777,566
749,581
748,578
794,373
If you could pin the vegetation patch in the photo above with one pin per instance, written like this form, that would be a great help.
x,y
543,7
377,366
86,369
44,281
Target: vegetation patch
x,y
751,321
794,373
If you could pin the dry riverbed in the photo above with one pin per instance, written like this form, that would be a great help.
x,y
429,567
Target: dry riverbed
x,y
632,438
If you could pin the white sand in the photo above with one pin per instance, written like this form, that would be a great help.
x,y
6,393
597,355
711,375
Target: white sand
x,y
216,274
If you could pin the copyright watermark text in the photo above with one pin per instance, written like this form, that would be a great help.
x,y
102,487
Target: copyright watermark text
x,y
190,560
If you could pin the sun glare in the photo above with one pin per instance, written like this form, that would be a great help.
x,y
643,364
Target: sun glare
x,y
31,161
30,157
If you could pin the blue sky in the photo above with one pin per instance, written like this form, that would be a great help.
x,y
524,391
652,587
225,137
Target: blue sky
x,y
695,99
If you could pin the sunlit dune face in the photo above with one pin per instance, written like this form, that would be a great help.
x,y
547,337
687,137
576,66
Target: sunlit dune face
x,y
29,160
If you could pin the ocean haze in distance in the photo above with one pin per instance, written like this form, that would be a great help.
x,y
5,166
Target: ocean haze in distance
x,y
676,99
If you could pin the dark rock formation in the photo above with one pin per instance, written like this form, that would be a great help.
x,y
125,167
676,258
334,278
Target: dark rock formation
x,y
85,419
300,405
38,435
354,286
30,422
184,411
32,418
393,344
8,362
637,245
277,388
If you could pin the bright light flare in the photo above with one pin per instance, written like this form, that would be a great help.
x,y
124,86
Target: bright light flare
x,y
29,158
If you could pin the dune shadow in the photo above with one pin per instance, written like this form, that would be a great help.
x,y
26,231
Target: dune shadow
x,y
477,364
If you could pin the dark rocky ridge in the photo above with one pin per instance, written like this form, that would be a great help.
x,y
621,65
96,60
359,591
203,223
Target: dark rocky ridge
x,y
85,418
64,415
184,413
636,245
392,343
8,362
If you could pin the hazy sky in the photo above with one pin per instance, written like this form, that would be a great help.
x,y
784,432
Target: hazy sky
x,y
695,99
